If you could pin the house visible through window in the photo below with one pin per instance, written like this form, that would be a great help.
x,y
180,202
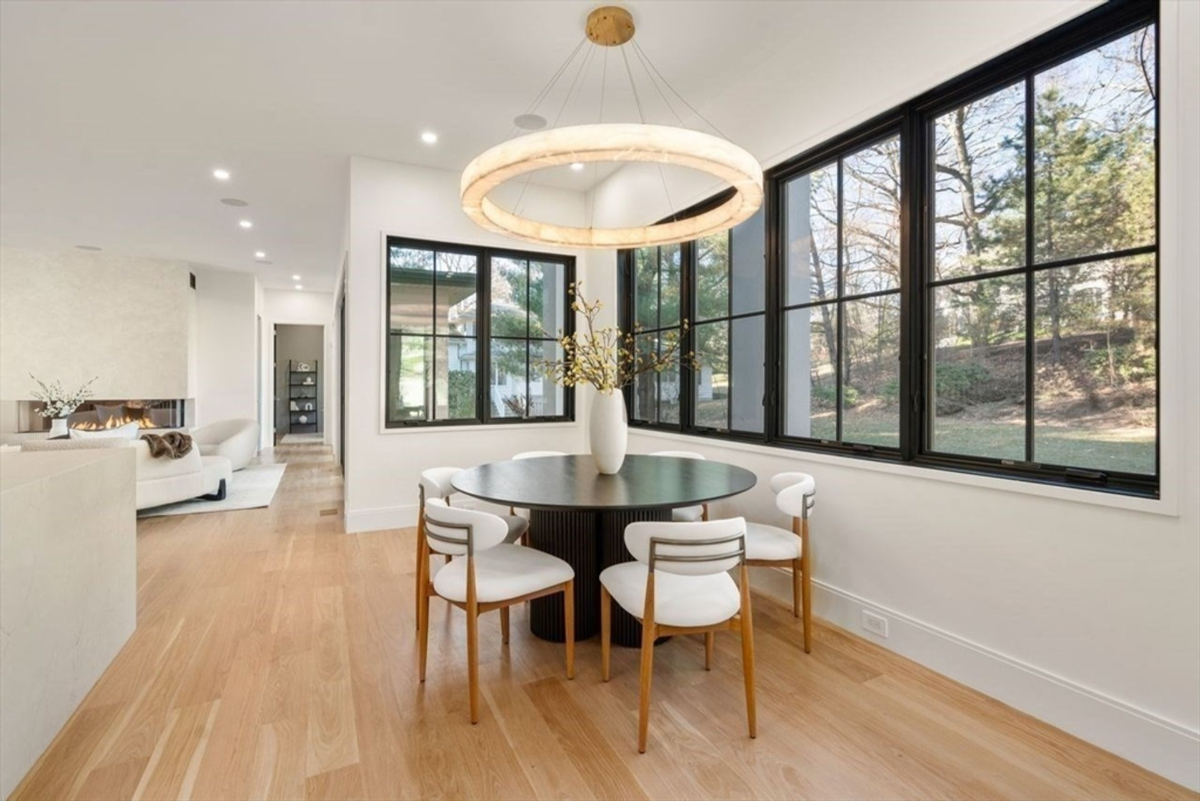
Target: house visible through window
x,y
458,315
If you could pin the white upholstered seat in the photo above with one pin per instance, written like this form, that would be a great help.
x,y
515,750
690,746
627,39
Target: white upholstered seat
x,y
680,584
485,574
771,542
506,571
767,545
686,514
678,600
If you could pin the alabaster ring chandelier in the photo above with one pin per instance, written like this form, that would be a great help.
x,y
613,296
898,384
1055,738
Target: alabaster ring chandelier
x,y
580,145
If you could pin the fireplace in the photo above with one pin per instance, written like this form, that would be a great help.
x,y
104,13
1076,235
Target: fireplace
x,y
98,414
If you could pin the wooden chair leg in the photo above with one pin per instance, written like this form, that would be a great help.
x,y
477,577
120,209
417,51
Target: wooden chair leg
x,y
472,641
710,639
504,624
421,565
605,631
806,584
796,588
423,625
648,637
569,624
747,630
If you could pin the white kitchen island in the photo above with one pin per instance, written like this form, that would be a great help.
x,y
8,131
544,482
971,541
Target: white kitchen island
x,y
68,589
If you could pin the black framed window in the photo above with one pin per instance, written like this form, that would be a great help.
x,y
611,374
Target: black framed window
x,y
728,328
968,281
1043,340
840,298
656,301
466,328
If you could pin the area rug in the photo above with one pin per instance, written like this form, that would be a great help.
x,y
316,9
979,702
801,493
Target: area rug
x,y
251,488
302,439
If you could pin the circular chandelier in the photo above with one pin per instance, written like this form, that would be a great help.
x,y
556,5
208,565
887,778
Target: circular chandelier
x,y
579,145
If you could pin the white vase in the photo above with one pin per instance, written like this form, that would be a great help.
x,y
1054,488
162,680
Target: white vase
x,y
58,427
608,431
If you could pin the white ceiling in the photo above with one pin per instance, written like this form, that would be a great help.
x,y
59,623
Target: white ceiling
x,y
113,115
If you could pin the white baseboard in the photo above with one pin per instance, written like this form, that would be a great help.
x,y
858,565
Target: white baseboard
x,y
1157,744
360,520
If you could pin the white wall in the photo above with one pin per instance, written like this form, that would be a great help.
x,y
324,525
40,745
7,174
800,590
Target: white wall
x,y
1081,609
226,343
383,466
72,315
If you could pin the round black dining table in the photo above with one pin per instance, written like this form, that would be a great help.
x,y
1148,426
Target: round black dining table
x,y
579,515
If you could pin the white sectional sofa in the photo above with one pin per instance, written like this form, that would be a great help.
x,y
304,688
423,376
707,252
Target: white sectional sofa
x,y
159,480
236,440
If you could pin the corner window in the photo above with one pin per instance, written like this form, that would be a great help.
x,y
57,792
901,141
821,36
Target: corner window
x,y
967,282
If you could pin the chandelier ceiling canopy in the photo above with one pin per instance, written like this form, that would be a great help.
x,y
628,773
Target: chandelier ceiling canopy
x,y
580,145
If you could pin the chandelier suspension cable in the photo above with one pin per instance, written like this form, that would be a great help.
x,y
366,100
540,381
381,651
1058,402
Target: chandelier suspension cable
x,y
675,92
537,100
637,99
654,82
583,64
599,119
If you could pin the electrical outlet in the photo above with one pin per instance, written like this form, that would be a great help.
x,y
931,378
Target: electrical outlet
x,y
876,624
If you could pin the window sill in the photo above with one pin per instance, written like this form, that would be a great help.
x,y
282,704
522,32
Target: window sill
x,y
1162,506
467,428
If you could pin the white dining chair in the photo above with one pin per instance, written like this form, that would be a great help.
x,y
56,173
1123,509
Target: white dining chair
x,y
436,483
686,514
494,575
680,585
772,546
524,513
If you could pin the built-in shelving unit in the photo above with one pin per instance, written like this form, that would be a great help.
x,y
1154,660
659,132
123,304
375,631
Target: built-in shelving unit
x,y
302,394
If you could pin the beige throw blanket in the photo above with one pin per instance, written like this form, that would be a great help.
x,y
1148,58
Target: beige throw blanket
x,y
171,445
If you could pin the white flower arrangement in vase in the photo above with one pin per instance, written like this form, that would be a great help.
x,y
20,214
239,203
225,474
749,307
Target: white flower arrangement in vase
x,y
58,403
609,360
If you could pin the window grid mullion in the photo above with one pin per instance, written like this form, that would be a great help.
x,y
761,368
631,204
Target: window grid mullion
x,y
1030,344
839,308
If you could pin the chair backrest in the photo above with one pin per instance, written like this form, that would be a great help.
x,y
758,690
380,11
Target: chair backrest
x,y
689,549
458,531
679,454
536,454
435,482
795,493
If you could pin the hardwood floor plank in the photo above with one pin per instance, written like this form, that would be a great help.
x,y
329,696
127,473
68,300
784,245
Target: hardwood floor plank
x,y
275,658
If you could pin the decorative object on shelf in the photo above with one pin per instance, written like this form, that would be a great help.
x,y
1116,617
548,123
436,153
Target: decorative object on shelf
x,y
608,360
608,27
58,403
302,395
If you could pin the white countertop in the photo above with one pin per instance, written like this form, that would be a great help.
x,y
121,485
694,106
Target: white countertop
x,y
20,468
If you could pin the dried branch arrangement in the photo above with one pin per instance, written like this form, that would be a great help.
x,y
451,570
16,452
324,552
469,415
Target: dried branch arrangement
x,y
605,357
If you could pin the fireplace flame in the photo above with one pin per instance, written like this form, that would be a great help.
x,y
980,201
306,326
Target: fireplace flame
x,y
114,422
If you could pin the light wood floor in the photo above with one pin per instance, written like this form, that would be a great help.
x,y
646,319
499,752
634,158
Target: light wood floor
x,y
275,657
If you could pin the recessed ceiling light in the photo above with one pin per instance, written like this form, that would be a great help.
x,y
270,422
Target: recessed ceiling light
x,y
233,201
220,174
88,247
429,138
246,224
530,122
299,287
260,254
295,278
577,166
